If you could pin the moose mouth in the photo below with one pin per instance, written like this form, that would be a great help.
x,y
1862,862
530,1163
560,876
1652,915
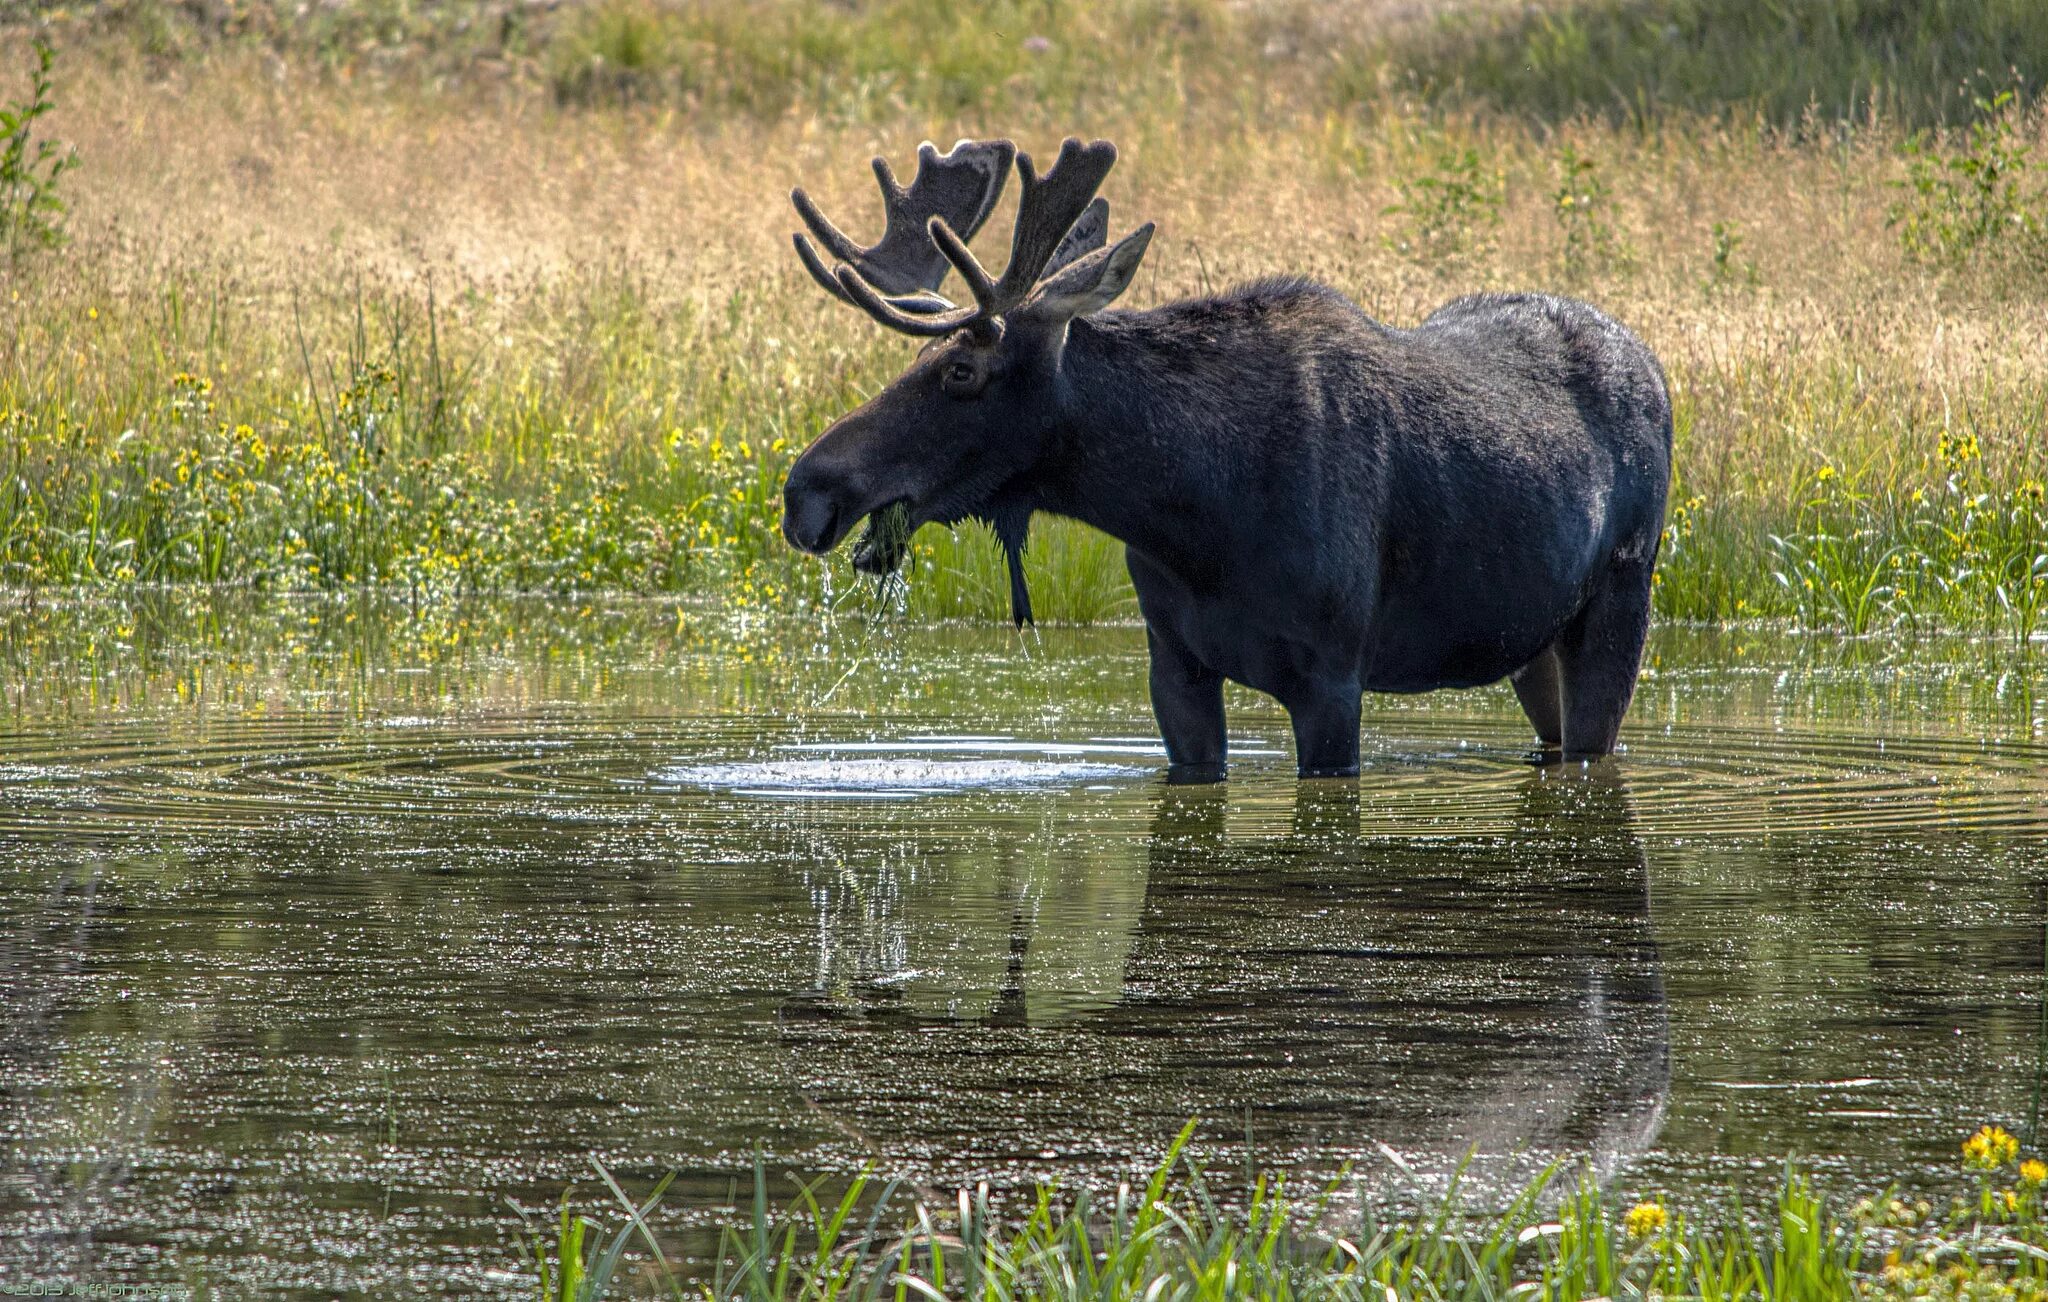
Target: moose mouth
x,y
886,540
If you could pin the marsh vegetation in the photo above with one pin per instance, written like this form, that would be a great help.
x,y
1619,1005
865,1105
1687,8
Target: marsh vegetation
x,y
1560,1238
465,298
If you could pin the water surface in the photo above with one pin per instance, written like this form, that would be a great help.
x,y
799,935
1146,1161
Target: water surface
x,y
324,931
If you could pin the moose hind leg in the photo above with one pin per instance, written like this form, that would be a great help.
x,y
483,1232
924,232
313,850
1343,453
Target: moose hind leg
x,y
1538,688
1598,657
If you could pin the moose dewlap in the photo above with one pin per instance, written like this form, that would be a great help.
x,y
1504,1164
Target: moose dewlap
x,y
1312,503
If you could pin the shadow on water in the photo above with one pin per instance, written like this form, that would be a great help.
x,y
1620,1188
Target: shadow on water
x,y
1320,999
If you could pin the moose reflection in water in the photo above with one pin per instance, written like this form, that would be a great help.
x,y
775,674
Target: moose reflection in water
x,y
1324,991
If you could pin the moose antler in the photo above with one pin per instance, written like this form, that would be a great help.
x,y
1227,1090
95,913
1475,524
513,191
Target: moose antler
x,y
1058,219
959,187
1089,232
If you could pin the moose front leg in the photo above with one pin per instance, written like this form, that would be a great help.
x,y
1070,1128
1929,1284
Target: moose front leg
x,y
1187,699
1326,732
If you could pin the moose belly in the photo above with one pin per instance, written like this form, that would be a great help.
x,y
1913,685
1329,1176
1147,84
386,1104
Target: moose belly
x,y
1412,665
1278,636
1409,649
1466,634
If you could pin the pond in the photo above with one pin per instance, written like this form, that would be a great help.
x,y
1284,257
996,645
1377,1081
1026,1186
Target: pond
x,y
327,929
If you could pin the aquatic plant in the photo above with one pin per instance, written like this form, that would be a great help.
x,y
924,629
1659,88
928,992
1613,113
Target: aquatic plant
x,y
1949,542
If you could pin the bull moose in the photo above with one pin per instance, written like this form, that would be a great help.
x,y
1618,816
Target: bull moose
x,y
1312,504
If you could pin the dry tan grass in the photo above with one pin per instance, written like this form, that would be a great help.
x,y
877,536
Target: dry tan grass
x,y
224,160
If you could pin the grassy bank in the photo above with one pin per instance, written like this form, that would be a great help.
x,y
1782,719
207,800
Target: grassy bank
x,y
1558,1240
467,298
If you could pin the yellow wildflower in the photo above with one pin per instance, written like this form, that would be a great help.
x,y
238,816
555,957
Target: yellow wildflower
x,y
1645,1219
1990,1148
2033,1171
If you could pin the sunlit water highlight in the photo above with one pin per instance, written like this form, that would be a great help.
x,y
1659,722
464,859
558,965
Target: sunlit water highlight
x,y
917,766
312,959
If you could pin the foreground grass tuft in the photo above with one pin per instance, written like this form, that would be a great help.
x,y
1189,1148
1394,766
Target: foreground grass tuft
x,y
1560,1239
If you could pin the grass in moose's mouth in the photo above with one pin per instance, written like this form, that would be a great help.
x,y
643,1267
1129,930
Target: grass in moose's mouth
x,y
467,298
1558,1240
884,542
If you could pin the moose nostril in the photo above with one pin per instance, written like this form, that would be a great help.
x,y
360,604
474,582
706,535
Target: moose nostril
x,y
808,520
821,535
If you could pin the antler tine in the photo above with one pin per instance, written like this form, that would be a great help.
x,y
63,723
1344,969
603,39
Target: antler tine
x,y
920,302
1048,209
1089,232
979,283
807,253
866,297
885,175
828,235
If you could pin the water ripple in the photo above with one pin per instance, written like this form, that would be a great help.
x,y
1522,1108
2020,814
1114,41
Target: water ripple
x,y
1423,777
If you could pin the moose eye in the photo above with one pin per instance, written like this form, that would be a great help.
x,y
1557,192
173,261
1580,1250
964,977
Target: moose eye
x,y
962,377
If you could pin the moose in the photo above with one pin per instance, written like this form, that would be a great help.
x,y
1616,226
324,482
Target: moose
x,y
1312,504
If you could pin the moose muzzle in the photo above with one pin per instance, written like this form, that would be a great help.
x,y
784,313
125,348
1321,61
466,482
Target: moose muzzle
x,y
817,509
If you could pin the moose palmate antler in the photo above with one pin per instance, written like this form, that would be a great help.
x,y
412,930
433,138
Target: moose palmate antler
x,y
1059,219
959,187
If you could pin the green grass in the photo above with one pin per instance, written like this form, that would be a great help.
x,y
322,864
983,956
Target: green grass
x,y
391,446
1780,60
853,63
1776,59
1563,1238
384,445
1875,503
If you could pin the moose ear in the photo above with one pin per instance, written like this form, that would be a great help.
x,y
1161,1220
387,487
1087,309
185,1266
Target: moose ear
x,y
1089,284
